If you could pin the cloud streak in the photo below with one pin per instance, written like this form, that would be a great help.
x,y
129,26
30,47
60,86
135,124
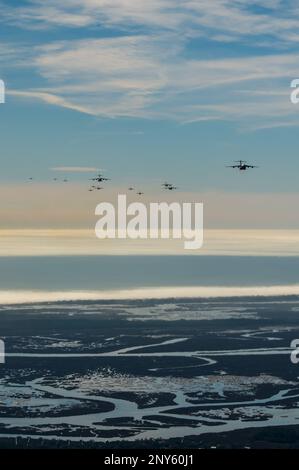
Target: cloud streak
x,y
75,169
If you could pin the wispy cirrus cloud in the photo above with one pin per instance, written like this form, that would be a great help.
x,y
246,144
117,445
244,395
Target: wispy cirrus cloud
x,y
147,69
47,97
138,76
75,13
223,19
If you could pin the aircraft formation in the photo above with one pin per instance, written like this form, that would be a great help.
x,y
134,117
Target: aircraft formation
x,y
169,187
98,179
241,165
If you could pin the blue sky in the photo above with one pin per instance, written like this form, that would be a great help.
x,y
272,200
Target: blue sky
x,y
151,90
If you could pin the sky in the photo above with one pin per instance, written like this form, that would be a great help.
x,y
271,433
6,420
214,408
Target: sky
x,y
149,90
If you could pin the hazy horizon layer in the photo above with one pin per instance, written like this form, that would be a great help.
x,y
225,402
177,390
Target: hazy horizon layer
x,y
46,279
80,242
